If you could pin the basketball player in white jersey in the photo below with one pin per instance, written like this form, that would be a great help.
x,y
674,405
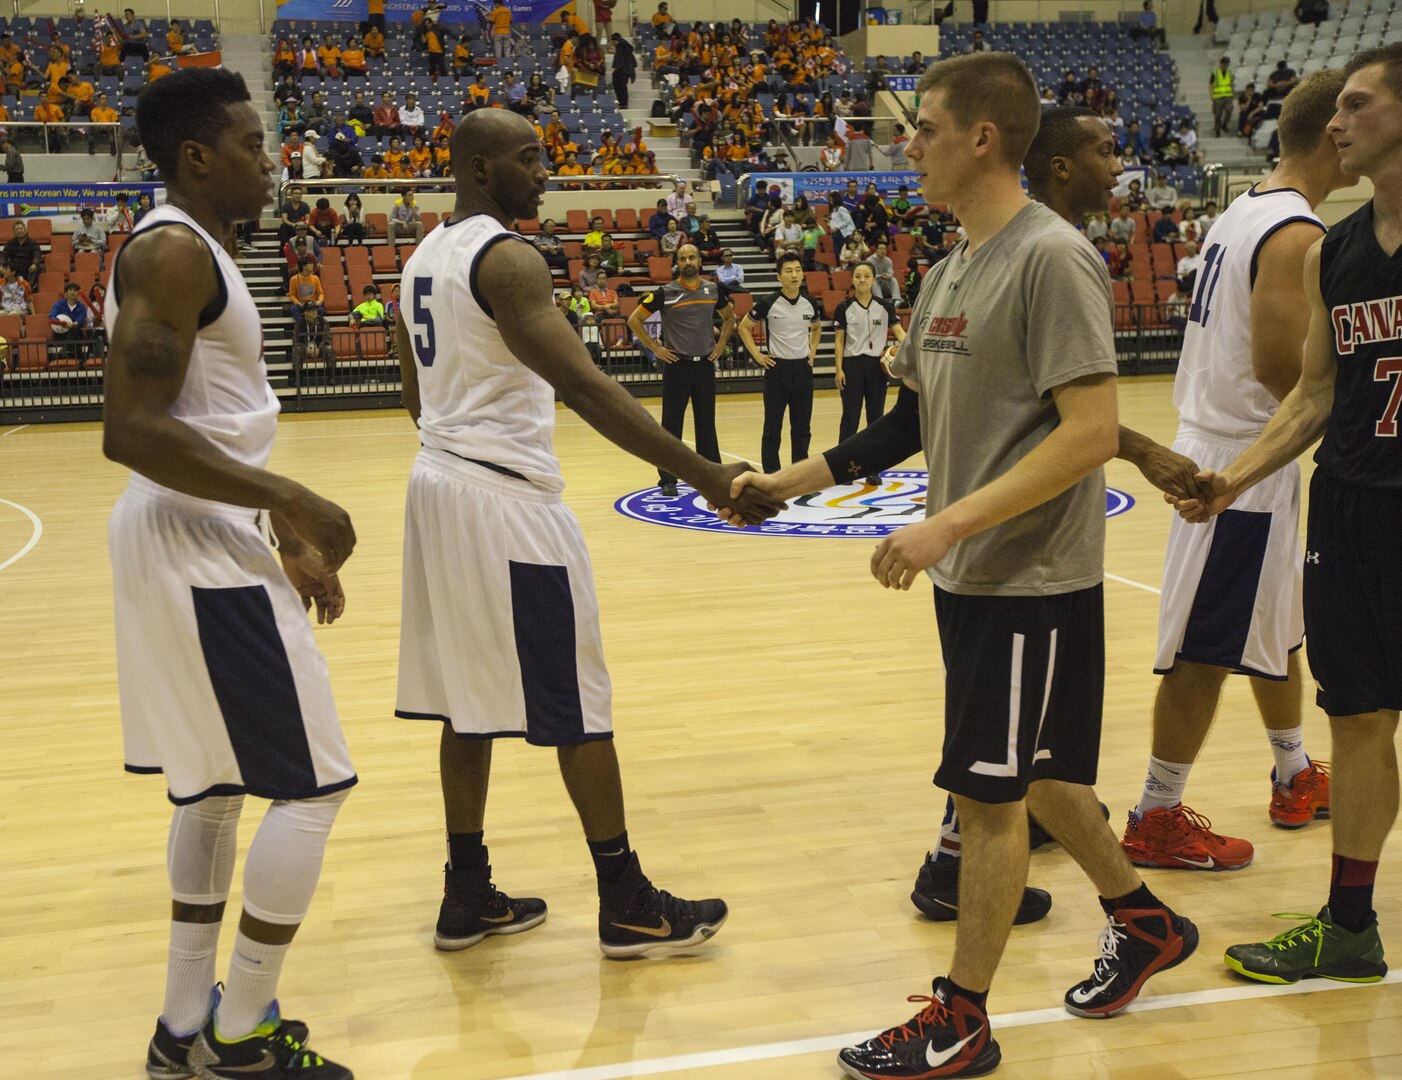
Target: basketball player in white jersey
x,y
1232,589
222,686
500,631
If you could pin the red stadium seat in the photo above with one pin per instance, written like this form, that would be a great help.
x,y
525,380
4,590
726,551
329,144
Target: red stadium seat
x,y
831,299
626,220
816,282
576,221
382,258
659,269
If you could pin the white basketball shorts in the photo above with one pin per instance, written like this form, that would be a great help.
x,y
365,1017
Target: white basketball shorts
x,y
222,685
1232,592
500,628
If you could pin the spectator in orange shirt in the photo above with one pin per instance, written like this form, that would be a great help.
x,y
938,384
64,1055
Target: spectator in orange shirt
x,y
306,57
284,58
571,167
175,39
156,68
462,57
328,57
375,16
603,300
662,21
103,113
397,161
500,19
433,46
375,41
479,94
375,170
55,138
442,157
444,129
420,158
304,290
353,59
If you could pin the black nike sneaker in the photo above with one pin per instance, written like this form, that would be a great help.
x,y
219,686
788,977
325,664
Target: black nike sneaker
x,y
474,908
1135,944
936,894
1037,836
271,1053
168,1054
636,919
949,1037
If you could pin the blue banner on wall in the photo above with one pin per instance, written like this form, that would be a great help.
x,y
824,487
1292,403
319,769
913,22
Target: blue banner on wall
x,y
902,83
456,11
65,200
819,184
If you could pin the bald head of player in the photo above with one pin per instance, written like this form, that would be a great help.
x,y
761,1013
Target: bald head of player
x,y
1072,165
689,265
497,165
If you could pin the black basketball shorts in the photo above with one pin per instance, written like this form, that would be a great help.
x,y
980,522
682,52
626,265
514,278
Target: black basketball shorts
x,y
1353,596
1024,686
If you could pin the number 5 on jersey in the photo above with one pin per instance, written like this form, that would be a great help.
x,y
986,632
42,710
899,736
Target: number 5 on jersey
x,y
426,347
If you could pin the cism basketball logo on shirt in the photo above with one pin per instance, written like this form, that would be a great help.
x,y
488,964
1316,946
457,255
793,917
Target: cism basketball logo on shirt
x,y
946,334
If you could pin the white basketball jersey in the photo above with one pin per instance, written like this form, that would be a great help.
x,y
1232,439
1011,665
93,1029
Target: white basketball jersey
x,y
226,396
476,399
1216,388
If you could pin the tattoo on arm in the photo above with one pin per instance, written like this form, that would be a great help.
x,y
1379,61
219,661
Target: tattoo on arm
x,y
159,356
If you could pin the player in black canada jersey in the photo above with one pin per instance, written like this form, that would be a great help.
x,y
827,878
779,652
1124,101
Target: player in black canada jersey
x,y
1349,392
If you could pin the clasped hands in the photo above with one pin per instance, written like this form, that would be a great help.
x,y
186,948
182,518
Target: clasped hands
x,y
897,561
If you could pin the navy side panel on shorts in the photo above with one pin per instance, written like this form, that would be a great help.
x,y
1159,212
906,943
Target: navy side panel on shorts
x,y
542,608
1220,622
253,684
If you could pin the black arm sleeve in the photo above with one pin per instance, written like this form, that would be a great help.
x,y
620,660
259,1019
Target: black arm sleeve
x,y
881,445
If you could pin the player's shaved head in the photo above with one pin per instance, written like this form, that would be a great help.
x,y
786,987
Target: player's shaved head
x,y
496,161
487,132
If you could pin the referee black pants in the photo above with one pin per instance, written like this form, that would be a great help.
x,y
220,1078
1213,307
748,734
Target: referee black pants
x,y
690,380
787,385
866,384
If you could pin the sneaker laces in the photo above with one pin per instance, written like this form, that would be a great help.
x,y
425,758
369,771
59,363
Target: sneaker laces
x,y
1109,943
1312,928
935,1014
1196,822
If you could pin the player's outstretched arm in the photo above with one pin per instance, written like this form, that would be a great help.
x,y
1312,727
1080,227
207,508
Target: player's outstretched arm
x,y
1298,422
1166,469
149,358
515,283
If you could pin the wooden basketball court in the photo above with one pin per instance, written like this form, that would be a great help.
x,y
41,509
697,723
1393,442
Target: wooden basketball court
x,y
779,718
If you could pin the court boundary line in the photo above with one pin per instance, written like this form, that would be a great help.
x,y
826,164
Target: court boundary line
x,y
797,1047
14,429
38,531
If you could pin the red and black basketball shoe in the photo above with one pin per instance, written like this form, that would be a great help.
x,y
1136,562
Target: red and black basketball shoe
x,y
948,1037
1136,944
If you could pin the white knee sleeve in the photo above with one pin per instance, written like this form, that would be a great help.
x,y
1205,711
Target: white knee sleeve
x,y
201,849
284,860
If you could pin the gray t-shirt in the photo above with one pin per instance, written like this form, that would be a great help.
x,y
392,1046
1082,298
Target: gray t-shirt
x,y
688,323
990,337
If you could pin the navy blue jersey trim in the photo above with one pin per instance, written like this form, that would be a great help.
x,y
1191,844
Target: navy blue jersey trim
x,y
271,794
593,736
1255,194
214,308
1234,669
476,261
144,770
1261,243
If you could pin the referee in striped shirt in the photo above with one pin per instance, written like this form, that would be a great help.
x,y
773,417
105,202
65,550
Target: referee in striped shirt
x,y
792,327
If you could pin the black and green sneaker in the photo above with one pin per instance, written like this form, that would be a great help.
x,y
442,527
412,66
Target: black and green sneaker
x,y
1315,949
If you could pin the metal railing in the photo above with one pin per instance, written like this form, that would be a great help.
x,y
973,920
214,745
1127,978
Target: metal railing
x,y
54,136
358,185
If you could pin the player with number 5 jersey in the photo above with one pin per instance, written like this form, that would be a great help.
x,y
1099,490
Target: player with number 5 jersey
x,y
500,630
1231,600
1348,393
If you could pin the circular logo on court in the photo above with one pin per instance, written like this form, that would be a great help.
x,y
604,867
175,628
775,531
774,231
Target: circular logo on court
x,y
860,509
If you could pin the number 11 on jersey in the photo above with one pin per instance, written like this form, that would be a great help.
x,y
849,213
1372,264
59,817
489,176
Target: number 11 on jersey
x,y
426,347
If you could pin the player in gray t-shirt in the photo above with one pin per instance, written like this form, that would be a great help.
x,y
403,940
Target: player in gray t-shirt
x,y
1010,348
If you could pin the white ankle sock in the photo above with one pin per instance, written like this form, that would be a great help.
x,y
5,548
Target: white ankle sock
x,y
1163,787
189,975
252,986
1288,746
